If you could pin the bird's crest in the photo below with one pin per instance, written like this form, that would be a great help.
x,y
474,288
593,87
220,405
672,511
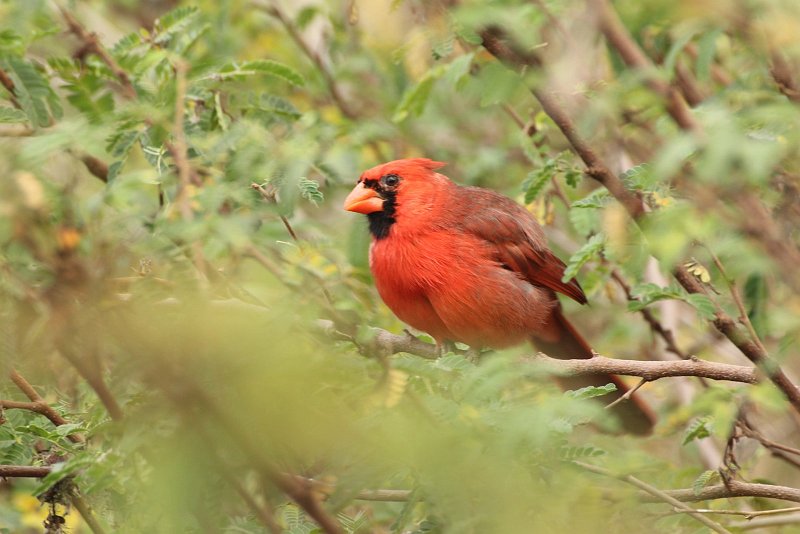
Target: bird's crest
x,y
409,169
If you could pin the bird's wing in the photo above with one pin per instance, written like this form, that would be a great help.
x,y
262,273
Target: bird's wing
x,y
518,240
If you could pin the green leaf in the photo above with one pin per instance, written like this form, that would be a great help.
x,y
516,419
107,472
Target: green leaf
x,y
648,293
756,297
267,67
590,250
309,190
579,453
120,143
598,198
591,391
703,480
573,177
457,72
278,106
639,177
173,23
706,49
698,429
69,428
443,48
11,42
32,90
12,115
537,179
469,35
415,98
305,16
674,51
702,304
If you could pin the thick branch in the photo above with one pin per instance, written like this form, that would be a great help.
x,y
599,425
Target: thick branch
x,y
386,343
649,370
736,488
24,471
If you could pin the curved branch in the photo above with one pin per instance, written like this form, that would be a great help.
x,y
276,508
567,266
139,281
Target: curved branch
x,y
37,404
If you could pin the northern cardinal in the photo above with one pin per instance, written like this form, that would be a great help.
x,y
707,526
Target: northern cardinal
x,y
468,264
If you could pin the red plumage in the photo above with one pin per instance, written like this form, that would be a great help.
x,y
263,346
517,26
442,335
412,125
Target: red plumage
x,y
468,264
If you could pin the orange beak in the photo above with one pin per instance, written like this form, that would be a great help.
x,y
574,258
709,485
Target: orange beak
x,y
363,200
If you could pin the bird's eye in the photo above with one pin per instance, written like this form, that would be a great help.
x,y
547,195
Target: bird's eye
x,y
390,180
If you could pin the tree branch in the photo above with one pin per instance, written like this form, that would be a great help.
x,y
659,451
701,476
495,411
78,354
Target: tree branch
x,y
494,41
648,370
658,495
92,45
386,343
735,488
633,56
24,471
330,80
38,404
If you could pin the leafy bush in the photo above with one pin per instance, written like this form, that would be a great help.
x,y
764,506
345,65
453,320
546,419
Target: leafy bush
x,y
184,292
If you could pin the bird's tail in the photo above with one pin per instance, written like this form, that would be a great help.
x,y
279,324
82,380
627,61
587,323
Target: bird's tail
x,y
561,340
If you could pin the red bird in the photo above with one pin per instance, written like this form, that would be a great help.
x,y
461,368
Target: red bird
x,y
468,264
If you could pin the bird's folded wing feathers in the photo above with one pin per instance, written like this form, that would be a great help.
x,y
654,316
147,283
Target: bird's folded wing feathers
x,y
518,240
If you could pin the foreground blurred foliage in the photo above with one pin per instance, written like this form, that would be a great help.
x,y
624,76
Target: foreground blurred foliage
x,y
163,279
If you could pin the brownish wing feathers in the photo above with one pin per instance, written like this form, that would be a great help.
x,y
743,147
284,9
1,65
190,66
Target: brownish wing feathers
x,y
518,239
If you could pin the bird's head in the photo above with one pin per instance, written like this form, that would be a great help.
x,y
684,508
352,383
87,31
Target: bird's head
x,y
381,190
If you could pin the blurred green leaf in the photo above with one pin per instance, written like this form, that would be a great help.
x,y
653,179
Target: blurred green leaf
x,y
698,429
589,251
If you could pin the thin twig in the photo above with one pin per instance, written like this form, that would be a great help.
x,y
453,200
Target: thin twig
x,y
94,377
262,512
657,494
737,299
330,80
744,513
270,197
86,513
322,66
627,395
91,44
617,34
178,147
663,332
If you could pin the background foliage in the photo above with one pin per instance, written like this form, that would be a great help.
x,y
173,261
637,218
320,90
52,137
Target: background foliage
x,y
172,236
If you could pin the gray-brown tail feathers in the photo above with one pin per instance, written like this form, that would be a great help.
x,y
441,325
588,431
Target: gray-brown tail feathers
x,y
564,342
